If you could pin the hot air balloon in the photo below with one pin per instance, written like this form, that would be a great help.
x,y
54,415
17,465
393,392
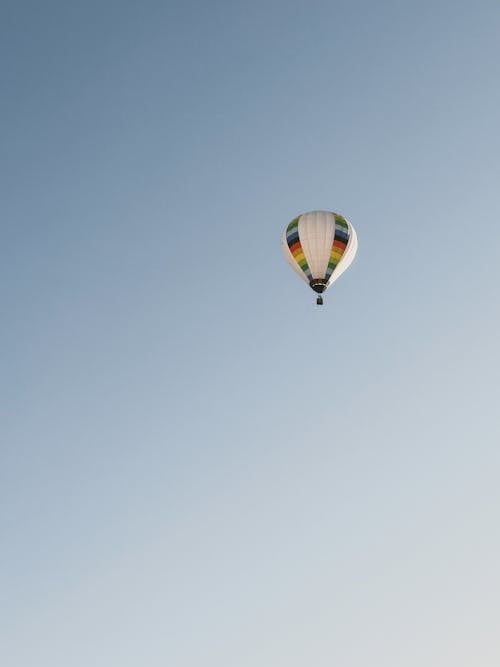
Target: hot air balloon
x,y
319,246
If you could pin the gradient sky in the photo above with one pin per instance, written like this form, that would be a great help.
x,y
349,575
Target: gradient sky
x,y
199,467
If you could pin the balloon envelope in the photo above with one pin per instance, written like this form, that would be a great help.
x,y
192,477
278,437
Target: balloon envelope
x,y
319,246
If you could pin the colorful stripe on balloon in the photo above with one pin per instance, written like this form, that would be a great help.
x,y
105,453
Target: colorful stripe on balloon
x,y
295,247
339,245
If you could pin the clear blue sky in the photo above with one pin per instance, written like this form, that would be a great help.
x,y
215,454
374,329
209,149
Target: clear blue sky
x,y
198,466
